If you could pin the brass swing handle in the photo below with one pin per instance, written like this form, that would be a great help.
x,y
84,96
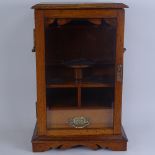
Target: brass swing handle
x,y
124,50
34,49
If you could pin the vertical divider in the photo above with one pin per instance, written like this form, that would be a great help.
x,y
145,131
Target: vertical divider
x,y
79,96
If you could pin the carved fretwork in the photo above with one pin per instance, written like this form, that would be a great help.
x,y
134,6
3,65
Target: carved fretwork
x,y
60,22
111,22
63,21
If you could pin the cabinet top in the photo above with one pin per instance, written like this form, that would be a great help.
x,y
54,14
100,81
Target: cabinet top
x,y
54,6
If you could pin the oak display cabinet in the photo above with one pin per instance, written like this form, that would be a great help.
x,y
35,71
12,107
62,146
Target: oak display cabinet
x,y
79,61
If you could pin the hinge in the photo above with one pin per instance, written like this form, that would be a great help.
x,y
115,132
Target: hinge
x,y
119,72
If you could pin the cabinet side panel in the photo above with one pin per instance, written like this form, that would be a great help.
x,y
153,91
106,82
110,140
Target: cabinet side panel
x,y
40,67
119,62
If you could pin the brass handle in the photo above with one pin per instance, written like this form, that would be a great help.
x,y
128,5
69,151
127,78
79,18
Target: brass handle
x,y
79,122
34,50
124,49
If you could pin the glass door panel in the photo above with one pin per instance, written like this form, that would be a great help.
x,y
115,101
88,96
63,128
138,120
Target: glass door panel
x,y
80,72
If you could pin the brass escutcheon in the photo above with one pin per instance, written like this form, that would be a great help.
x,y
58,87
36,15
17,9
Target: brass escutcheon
x,y
79,122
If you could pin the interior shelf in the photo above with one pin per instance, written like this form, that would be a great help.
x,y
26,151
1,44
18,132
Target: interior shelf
x,y
90,82
81,84
79,108
97,62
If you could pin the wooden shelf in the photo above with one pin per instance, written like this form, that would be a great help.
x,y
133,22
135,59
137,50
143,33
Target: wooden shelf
x,y
97,62
77,108
82,85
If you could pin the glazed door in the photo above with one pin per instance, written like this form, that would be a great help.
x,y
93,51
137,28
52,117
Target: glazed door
x,y
80,72
78,60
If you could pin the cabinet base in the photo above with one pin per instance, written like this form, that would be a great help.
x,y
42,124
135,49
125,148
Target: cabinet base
x,y
112,142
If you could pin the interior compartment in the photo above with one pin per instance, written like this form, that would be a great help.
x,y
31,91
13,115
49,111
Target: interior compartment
x,y
80,39
61,97
97,97
59,74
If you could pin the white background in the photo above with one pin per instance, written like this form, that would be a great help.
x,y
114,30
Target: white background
x,y
18,84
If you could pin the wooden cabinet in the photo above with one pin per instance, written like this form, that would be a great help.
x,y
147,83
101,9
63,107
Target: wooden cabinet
x,y
79,60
